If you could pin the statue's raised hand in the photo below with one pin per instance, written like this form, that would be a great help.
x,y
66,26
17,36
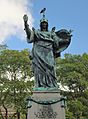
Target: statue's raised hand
x,y
25,18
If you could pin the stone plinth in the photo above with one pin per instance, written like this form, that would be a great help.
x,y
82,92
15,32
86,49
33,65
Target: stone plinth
x,y
46,105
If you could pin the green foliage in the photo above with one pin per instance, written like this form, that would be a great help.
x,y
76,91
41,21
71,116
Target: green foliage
x,y
72,71
15,74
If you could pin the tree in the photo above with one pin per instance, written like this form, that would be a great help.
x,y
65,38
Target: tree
x,y
15,74
72,71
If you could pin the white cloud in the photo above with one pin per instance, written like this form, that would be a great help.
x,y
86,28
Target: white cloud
x,y
11,18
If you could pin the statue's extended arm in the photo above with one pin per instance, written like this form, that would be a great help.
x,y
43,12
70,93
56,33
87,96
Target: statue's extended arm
x,y
30,34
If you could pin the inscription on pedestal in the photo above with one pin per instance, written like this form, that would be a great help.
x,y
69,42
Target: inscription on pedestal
x,y
45,112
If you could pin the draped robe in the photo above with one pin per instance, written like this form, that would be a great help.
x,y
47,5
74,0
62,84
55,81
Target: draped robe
x,y
43,60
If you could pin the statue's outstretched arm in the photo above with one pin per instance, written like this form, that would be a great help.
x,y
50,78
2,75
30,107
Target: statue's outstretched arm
x,y
30,34
26,26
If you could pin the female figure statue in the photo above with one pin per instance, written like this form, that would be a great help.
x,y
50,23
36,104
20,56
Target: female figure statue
x,y
45,45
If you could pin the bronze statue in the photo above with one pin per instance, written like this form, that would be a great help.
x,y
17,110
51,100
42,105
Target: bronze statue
x,y
47,45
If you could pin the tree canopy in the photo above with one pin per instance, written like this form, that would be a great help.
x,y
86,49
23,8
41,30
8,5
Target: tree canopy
x,y
15,84
72,72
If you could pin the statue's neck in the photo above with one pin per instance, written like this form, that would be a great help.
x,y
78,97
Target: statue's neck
x,y
44,30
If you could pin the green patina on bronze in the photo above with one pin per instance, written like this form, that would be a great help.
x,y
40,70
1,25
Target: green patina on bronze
x,y
47,45
44,89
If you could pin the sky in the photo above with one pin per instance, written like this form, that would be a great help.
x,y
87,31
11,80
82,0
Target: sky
x,y
63,14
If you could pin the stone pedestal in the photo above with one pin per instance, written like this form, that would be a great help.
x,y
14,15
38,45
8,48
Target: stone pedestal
x,y
46,105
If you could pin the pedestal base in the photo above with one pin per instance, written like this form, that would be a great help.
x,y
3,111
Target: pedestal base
x,y
46,105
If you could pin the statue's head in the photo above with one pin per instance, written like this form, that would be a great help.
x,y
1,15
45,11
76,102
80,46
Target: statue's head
x,y
43,21
44,24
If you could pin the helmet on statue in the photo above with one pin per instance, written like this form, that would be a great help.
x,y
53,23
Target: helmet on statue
x,y
43,21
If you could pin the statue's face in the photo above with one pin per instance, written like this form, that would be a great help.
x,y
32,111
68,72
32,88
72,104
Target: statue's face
x,y
44,26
